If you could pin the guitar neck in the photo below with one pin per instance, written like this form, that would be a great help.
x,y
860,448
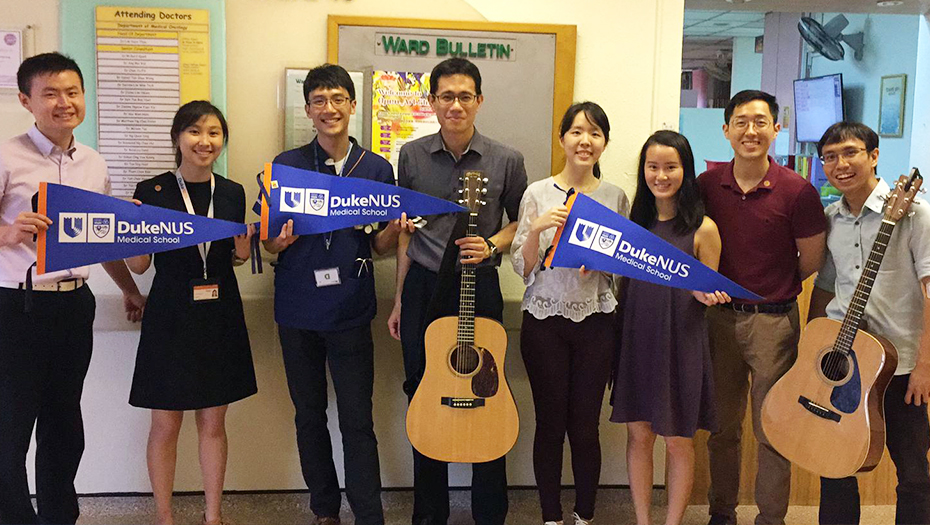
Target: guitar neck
x,y
861,296
466,329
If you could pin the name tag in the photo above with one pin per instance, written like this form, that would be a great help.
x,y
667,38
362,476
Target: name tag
x,y
205,291
327,277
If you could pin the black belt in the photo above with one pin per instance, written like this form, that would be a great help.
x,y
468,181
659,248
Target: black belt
x,y
761,308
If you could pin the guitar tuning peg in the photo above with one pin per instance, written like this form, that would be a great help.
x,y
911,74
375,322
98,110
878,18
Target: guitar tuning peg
x,y
461,191
912,213
484,191
483,203
460,201
484,180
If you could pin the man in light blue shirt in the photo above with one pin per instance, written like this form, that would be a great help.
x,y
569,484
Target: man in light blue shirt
x,y
898,309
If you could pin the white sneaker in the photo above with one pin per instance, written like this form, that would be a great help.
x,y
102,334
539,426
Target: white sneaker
x,y
579,521
553,523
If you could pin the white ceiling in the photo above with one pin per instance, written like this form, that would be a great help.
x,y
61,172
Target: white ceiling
x,y
723,24
708,35
811,6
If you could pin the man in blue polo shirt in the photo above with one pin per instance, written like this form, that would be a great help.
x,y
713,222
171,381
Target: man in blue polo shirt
x,y
324,304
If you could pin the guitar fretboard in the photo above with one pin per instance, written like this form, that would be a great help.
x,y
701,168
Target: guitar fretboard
x,y
466,328
850,327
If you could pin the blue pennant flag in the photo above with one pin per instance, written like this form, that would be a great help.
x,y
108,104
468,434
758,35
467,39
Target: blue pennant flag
x,y
320,203
89,228
600,239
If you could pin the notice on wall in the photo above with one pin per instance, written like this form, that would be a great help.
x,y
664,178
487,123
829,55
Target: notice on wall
x,y
400,112
150,61
11,56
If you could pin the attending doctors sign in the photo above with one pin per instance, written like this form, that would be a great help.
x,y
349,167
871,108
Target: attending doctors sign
x,y
320,203
88,228
600,239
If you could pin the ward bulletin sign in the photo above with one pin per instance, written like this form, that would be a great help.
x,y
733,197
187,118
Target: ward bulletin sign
x,y
150,61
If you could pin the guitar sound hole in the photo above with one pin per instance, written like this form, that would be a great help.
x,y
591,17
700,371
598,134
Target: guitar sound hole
x,y
464,360
834,365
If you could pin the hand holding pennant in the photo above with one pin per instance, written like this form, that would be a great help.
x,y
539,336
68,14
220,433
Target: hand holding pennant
x,y
596,237
320,203
90,228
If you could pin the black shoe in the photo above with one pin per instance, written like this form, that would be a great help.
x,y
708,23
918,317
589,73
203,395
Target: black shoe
x,y
721,519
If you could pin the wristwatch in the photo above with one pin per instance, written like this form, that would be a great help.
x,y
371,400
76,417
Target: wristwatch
x,y
491,246
236,260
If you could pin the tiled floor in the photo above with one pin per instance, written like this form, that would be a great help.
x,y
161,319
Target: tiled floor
x,y
614,508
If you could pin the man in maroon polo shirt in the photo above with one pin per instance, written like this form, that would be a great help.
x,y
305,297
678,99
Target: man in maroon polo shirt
x,y
772,228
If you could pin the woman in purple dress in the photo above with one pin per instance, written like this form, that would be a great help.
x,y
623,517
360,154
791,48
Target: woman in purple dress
x,y
664,383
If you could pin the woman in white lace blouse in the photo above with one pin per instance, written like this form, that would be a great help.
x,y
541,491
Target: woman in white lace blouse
x,y
568,335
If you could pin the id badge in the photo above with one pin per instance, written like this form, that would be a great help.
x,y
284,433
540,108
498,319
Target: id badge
x,y
327,277
205,291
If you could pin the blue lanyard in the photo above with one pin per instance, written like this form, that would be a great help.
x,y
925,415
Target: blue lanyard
x,y
328,239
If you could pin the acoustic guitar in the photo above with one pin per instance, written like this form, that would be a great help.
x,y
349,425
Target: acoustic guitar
x,y
826,413
463,410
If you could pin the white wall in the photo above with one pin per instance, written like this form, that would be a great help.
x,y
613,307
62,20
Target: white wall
x,y
264,37
891,43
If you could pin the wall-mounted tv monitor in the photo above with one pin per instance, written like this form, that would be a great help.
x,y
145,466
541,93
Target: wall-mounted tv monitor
x,y
818,104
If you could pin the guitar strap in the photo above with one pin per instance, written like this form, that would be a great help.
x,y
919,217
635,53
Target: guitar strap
x,y
445,281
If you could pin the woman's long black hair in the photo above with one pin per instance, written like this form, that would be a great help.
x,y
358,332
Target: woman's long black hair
x,y
690,206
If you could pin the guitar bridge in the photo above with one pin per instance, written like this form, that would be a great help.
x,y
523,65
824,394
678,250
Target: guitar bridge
x,y
818,410
462,402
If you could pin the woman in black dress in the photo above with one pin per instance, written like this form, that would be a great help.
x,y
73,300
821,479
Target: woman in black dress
x,y
194,349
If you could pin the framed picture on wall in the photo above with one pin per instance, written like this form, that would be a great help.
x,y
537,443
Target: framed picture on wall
x,y
891,106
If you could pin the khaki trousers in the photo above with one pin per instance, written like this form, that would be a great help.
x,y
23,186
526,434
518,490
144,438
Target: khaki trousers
x,y
749,351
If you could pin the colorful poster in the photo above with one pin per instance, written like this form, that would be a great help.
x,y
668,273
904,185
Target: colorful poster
x,y
149,62
400,111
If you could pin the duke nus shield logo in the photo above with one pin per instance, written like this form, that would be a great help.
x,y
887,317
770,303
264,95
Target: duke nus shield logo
x,y
317,202
101,227
607,241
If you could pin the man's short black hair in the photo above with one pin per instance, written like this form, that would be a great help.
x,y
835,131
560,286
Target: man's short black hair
x,y
328,76
44,64
454,66
846,130
746,96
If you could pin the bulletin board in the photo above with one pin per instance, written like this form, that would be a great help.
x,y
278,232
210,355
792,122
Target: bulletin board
x,y
527,71
83,35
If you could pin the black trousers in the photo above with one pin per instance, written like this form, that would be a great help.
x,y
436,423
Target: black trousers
x,y
568,364
350,355
430,477
908,439
44,356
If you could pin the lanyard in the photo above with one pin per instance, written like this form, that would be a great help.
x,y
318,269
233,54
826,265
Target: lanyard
x,y
203,248
328,239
